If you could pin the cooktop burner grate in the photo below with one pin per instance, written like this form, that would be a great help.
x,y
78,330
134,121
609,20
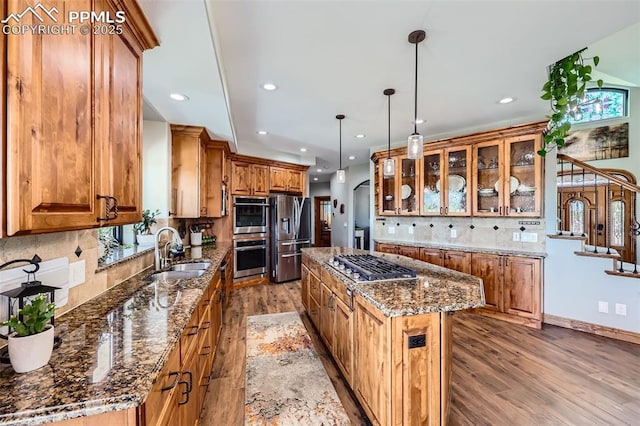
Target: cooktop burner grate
x,y
365,267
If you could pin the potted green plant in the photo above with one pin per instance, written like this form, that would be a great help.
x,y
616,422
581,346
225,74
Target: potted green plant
x,y
144,237
565,90
31,343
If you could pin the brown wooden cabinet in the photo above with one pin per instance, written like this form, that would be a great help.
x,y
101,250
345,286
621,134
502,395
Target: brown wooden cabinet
x,y
327,301
249,179
343,337
458,261
413,252
73,134
399,193
304,291
446,178
282,179
512,286
431,255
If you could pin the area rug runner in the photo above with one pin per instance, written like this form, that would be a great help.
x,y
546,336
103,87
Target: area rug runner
x,y
286,383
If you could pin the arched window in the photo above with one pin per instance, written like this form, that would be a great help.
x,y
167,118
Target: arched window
x,y
576,217
616,233
601,104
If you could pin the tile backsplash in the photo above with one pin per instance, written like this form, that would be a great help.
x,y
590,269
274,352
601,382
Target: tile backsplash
x,y
469,232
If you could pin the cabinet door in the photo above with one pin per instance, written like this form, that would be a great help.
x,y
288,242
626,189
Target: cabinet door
x,y
189,391
407,196
304,280
458,261
215,160
387,192
50,139
241,178
457,178
489,268
278,179
185,174
260,180
432,198
343,338
296,182
119,122
413,252
522,287
488,182
433,256
327,301
523,176
314,312
372,377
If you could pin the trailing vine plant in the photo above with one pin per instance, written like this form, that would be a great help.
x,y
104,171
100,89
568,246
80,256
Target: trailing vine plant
x,y
565,90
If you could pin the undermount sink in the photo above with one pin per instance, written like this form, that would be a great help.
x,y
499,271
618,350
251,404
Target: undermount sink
x,y
196,266
175,275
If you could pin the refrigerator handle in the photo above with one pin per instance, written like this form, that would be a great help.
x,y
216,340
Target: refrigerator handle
x,y
286,225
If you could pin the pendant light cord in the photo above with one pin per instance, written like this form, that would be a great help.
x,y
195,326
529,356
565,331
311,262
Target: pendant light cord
x,y
389,129
415,96
340,144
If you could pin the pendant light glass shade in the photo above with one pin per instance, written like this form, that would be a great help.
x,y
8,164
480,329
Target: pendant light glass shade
x,y
415,140
341,176
389,167
414,146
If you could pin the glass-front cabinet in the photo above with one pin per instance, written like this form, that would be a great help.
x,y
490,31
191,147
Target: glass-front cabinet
x,y
399,193
446,177
508,177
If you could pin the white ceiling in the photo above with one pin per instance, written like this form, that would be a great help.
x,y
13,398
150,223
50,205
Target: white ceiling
x,y
331,57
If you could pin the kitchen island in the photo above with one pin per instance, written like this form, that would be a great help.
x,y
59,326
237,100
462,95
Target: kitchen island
x,y
132,355
391,338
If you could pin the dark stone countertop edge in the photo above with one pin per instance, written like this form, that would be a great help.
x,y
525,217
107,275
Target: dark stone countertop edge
x,y
470,249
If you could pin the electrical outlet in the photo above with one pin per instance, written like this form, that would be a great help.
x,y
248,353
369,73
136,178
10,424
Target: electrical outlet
x,y
454,233
621,309
391,229
603,307
410,230
77,273
516,236
529,237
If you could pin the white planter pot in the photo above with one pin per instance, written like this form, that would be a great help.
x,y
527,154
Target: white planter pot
x,y
30,352
146,240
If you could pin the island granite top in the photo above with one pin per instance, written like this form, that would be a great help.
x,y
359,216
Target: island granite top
x,y
113,348
436,289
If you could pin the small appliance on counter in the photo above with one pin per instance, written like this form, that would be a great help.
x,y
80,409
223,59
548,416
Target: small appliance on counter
x,y
290,227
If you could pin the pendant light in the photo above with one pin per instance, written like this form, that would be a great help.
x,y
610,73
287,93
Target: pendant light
x,y
341,176
414,142
389,165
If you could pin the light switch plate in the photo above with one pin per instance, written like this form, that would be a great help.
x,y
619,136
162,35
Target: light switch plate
x,y
516,236
621,309
77,273
529,237
454,233
391,230
410,231
603,307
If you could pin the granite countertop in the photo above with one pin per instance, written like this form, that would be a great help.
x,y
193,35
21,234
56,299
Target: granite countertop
x,y
113,349
436,289
535,254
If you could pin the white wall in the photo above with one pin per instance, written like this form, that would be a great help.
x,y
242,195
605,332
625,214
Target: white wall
x,y
357,175
574,285
317,190
340,222
362,205
156,166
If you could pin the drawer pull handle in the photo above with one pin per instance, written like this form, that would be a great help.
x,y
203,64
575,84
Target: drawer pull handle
x,y
208,350
194,331
175,382
206,325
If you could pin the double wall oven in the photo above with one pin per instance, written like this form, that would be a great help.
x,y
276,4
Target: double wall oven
x,y
250,240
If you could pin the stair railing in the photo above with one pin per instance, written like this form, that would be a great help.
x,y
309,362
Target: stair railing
x,y
612,185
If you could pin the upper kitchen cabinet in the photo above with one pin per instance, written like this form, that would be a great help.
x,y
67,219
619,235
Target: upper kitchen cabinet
x,y
446,178
508,177
286,180
198,173
259,177
73,122
399,193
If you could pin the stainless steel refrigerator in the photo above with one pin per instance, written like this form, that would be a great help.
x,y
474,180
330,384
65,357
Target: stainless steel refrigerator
x,y
290,231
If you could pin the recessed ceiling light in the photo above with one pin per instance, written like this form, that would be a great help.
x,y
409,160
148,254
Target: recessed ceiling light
x,y
315,178
319,170
361,135
506,100
352,157
419,121
303,149
269,86
178,97
262,132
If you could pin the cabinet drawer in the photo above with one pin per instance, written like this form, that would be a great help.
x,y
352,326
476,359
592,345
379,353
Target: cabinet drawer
x,y
158,406
314,286
189,336
342,293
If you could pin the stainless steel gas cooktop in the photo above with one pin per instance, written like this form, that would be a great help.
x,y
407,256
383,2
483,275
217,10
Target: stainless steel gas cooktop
x,y
365,267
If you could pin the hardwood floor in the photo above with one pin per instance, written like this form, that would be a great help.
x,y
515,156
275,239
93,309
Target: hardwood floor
x,y
503,374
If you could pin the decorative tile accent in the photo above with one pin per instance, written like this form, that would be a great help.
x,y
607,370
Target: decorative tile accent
x,y
414,225
522,228
450,226
495,227
78,251
431,225
472,227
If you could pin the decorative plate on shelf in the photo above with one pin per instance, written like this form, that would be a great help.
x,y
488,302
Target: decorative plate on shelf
x,y
406,191
513,185
456,183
